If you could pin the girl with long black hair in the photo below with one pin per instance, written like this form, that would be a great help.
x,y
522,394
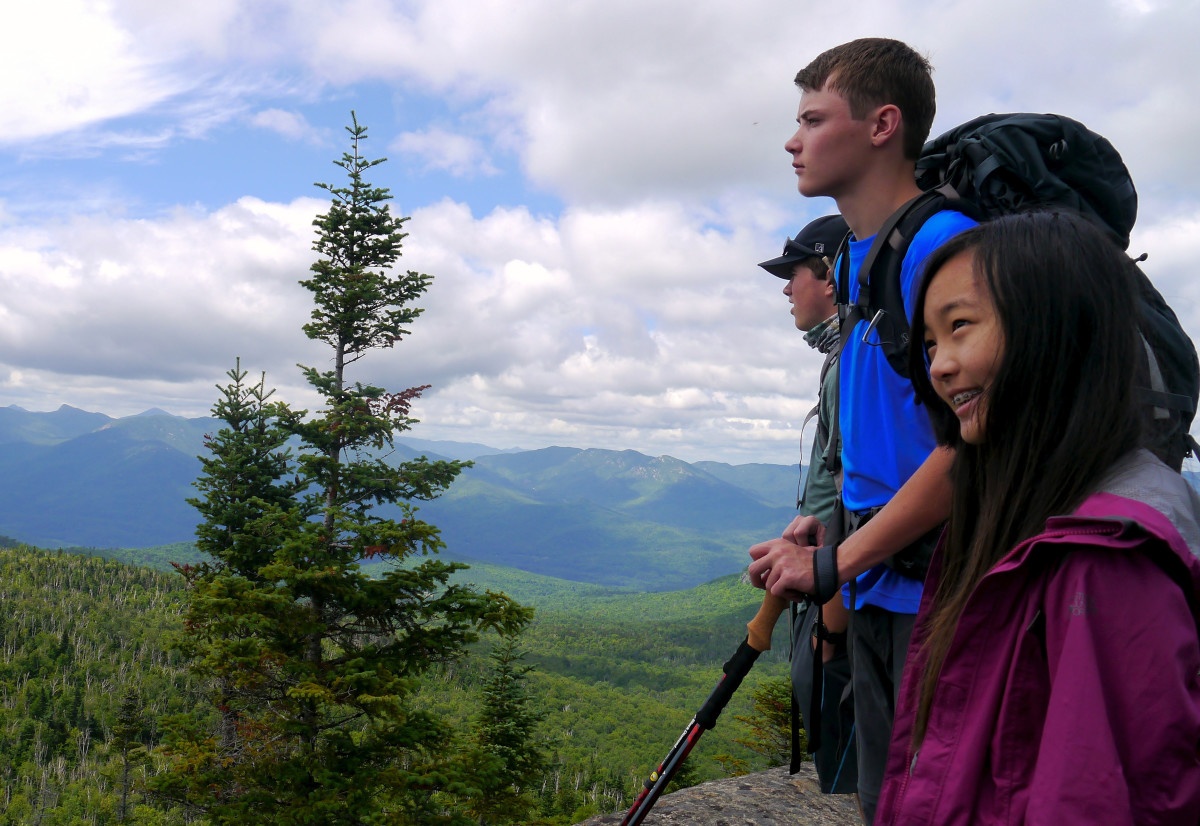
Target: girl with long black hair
x,y
1053,673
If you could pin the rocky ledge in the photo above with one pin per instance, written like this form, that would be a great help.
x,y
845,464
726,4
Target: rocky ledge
x,y
760,799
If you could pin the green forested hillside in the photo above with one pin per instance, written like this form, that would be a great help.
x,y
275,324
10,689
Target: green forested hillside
x,y
617,676
79,634
621,674
611,517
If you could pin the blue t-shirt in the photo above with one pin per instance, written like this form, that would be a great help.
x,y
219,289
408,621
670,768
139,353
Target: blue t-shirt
x,y
886,435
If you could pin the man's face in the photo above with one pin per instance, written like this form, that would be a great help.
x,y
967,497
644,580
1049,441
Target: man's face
x,y
811,297
829,147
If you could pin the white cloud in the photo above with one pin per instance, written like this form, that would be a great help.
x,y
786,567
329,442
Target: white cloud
x,y
461,156
634,316
163,300
527,326
291,125
77,75
535,330
615,102
66,64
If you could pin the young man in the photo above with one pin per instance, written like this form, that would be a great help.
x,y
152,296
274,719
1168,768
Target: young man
x,y
820,631
865,112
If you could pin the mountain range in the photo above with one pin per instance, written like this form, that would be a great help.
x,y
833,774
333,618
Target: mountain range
x,y
615,518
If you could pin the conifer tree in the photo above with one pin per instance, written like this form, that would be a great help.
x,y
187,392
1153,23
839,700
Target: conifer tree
x,y
126,741
770,724
245,484
510,754
313,662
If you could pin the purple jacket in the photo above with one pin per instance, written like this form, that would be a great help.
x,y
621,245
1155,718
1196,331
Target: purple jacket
x,y
1071,692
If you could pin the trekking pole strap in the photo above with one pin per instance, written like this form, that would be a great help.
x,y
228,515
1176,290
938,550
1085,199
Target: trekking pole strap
x,y
794,710
818,681
825,575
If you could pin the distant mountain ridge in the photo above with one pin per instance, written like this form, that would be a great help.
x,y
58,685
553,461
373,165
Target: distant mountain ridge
x,y
608,517
20,425
619,518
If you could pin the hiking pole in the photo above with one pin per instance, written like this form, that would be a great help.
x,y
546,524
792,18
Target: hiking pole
x,y
758,640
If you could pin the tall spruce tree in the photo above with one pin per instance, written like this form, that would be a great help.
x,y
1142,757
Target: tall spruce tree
x,y
314,663
770,724
509,752
126,744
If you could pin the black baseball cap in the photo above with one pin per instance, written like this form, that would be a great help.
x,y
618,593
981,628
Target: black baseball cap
x,y
820,238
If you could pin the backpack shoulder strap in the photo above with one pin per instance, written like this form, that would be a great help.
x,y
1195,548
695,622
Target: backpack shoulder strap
x,y
896,234
880,299
826,433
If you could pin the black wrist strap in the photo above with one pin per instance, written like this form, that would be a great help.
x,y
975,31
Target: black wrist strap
x,y
825,578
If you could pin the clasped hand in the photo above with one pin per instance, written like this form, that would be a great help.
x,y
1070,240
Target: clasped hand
x,y
784,566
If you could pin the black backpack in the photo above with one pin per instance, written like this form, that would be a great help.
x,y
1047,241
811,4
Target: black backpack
x,y
999,164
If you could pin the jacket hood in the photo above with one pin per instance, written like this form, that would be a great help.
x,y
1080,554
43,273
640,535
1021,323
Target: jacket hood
x,y
1142,477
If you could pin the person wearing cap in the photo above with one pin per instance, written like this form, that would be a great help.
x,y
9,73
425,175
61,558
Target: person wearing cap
x,y
805,265
817,630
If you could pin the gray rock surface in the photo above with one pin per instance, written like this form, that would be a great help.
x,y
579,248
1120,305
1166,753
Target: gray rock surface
x,y
760,799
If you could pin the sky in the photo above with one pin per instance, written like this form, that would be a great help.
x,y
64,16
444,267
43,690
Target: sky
x,y
590,184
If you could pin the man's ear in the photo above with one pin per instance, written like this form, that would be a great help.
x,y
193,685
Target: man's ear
x,y
829,288
887,124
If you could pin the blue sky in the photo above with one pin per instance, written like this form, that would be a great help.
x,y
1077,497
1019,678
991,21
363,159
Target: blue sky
x,y
590,183
275,150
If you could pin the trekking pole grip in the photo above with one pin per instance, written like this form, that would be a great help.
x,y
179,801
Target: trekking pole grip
x,y
758,630
758,640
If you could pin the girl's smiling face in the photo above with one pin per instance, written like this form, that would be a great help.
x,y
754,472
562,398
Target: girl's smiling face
x,y
963,341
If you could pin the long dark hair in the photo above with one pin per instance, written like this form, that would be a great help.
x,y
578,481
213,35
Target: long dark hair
x,y
1061,408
